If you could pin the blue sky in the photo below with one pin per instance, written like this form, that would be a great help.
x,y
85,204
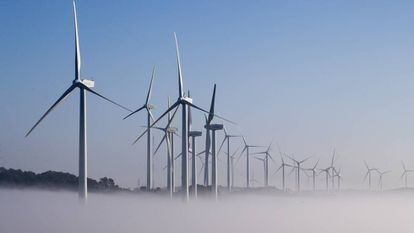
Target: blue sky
x,y
311,75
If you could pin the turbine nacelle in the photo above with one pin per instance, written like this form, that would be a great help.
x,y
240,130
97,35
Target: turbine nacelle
x,y
214,127
195,133
172,129
86,82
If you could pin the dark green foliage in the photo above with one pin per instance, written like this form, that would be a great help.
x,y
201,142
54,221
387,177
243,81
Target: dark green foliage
x,y
52,180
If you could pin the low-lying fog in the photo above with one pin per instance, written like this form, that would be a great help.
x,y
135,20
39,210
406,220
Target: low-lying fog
x,y
46,211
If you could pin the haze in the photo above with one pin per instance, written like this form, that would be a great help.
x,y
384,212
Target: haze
x,y
41,211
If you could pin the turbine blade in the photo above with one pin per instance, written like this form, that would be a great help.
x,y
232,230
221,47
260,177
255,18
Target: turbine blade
x,y
103,97
180,77
211,113
159,145
205,111
190,119
132,113
292,170
221,145
70,89
150,87
277,169
77,49
366,175
304,160
150,113
403,165
316,164
156,121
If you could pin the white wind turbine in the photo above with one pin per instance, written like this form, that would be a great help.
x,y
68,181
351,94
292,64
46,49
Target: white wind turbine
x,y
381,174
313,170
208,138
247,149
148,106
338,175
282,167
265,160
405,175
84,85
229,158
368,174
168,137
185,102
298,163
327,175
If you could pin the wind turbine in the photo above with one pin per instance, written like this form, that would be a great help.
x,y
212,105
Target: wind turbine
x,y
265,169
380,177
185,102
229,166
298,163
148,106
84,85
327,175
332,169
214,175
405,174
339,177
267,155
247,149
193,134
168,137
313,170
208,139
368,174
282,166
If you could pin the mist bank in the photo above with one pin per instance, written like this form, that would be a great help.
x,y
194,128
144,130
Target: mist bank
x,y
46,211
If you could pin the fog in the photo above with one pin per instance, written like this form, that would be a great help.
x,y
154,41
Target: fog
x,y
48,211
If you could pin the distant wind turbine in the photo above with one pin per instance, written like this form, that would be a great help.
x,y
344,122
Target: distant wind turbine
x,y
148,106
282,166
229,166
185,103
381,174
247,149
267,155
405,174
313,170
368,174
327,175
298,163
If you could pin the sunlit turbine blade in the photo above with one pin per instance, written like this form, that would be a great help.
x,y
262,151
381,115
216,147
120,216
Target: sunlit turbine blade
x,y
52,107
77,49
150,113
180,78
103,97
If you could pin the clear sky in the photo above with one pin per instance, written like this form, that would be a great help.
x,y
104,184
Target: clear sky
x,y
312,75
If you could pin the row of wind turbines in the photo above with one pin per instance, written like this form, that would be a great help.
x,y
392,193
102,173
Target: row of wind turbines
x,y
188,141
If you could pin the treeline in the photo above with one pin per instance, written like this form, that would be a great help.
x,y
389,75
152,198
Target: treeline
x,y
13,178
